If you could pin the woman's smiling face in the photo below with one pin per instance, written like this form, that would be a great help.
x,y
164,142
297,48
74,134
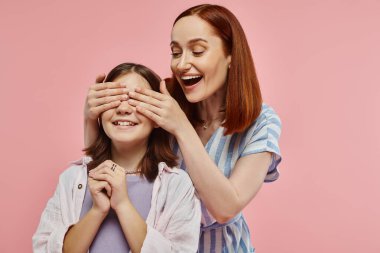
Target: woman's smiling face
x,y
199,61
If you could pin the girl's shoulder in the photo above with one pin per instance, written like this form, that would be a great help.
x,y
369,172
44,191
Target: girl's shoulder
x,y
75,169
174,176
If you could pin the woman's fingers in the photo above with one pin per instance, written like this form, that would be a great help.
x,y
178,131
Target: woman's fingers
x,y
163,109
110,92
155,117
150,93
100,78
163,88
106,100
107,85
155,109
102,97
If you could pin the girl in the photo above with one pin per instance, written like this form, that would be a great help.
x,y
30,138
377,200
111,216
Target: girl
x,y
132,200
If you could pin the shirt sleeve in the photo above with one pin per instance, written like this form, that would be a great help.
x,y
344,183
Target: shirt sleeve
x,y
52,229
264,136
178,228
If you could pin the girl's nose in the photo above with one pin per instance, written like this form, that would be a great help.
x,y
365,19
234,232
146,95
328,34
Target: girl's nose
x,y
124,108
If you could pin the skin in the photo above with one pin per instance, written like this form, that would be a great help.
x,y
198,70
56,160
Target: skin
x,y
129,144
223,197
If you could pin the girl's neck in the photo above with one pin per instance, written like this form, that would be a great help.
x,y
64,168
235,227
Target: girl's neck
x,y
128,157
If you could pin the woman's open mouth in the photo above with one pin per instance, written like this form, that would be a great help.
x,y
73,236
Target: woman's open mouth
x,y
190,80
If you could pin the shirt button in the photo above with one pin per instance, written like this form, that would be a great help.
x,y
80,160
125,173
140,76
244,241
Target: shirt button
x,y
79,186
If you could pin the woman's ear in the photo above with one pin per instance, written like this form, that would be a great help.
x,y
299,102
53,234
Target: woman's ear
x,y
229,61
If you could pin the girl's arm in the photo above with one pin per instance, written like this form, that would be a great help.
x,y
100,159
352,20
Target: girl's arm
x,y
79,237
51,230
176,229
133,225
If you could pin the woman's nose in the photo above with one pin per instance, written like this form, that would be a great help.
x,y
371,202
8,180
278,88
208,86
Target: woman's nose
x,y
184,63
124,108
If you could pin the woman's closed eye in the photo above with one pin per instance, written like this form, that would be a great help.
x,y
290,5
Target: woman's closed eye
x,y
176,54
198,53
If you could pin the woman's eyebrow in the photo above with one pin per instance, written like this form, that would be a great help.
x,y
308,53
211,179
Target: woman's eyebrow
x,y
193,41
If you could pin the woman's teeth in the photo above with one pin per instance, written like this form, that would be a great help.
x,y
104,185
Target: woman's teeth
x,y
190,80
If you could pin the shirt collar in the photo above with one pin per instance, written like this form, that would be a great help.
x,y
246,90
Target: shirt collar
x,y
82,161
163,168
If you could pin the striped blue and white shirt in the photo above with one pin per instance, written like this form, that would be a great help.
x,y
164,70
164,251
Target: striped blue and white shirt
x,y
261,136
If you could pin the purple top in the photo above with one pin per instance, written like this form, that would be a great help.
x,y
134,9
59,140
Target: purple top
x,y
110,236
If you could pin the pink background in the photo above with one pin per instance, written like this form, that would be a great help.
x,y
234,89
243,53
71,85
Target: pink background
x,y
318,64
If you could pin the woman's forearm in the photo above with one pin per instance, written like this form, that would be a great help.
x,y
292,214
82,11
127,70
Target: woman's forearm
x,y
213,187
91,130
224,197
80,236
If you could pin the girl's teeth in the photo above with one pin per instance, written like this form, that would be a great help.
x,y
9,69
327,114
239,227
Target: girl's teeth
x,y
123,123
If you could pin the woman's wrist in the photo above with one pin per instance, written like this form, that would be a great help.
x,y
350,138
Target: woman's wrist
x,y
182,132
185,133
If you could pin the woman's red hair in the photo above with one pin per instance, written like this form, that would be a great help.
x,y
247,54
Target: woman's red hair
x,y
243,97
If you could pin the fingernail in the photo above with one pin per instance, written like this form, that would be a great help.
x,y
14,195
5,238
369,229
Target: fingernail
x,y
137,89
131,93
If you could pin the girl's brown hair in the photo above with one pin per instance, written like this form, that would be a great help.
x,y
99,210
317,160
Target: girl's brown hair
x,y
243,96
159,148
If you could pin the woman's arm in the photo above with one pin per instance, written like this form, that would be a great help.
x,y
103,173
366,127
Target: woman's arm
x,y
223,197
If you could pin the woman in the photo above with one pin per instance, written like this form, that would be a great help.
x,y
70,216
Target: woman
x,y
226,138
129,182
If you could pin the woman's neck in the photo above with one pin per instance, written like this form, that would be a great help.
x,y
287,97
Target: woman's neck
x,y
128,157
212,108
